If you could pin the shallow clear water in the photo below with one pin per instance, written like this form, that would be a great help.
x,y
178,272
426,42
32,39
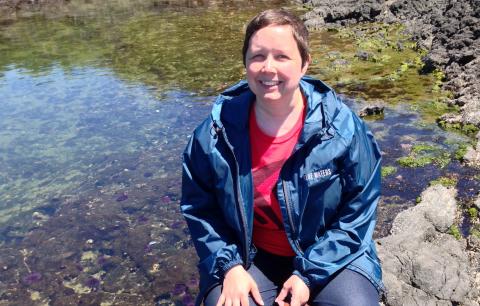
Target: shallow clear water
x,y
95,110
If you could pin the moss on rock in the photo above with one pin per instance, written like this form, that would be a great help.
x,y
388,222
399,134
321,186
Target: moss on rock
x,y
445,181
388,170
455,232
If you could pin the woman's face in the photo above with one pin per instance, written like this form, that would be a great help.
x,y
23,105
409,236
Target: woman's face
x,y
274,65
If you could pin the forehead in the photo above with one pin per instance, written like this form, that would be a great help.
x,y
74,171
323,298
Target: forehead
x,y
273,36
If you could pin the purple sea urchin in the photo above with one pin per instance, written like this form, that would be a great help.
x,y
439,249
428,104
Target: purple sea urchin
x,y
32,278
92,283
122,197
179,289
188,300
177,224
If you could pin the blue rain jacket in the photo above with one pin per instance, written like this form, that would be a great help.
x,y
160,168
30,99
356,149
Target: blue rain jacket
x,y
328,189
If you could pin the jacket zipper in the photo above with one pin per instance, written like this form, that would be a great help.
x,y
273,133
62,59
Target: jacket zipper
x,y
239,202
288,205
290,217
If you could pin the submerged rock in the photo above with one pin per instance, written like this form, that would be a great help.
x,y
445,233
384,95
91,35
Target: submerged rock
x,y
422,263
365,56
371,110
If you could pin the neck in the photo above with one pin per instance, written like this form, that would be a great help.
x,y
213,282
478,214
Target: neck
x,y
278,119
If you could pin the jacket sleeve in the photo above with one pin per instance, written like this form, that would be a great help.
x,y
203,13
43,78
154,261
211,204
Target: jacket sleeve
x,y
350,234
211,235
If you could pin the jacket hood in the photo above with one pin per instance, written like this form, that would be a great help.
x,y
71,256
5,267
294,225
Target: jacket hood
x,y
232,107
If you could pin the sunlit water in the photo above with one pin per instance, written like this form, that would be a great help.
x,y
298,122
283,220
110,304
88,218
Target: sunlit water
x,y
94,114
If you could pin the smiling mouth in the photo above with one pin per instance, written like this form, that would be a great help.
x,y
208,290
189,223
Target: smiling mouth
x,y
270,83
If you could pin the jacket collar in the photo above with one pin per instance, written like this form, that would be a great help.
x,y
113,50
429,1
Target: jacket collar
x,y
232,107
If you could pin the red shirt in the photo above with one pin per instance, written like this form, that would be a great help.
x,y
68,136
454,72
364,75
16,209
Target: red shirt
x,y
268,155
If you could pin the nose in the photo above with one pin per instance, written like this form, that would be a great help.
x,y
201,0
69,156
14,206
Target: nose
x,y
268,64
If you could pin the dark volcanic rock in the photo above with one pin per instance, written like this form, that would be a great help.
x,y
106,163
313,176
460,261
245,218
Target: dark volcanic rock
x,y
371,110
449,29
344,11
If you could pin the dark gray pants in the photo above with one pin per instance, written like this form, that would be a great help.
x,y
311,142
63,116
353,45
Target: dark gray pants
x,y
346,288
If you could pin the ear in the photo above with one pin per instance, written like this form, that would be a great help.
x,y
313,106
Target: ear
x,y
307,64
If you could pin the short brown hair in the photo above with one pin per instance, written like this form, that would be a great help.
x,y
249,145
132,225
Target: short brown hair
x,y
278,17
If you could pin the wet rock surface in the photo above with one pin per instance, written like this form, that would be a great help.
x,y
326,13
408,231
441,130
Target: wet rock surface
x,y
472,156
371,110
448,29
422,263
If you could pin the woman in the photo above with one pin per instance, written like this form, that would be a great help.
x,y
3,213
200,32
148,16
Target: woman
x,y
281,183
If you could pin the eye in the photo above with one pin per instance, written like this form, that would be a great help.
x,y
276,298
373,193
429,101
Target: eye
x,y
283,56
257,57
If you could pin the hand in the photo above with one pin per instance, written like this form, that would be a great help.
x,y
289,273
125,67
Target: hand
x,y
298,290
236,287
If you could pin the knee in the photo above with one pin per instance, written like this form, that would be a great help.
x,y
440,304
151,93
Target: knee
x,y
347,299
348,288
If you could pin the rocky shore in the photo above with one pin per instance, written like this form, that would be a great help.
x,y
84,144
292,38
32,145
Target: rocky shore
x,y
424,261
11,6
448,29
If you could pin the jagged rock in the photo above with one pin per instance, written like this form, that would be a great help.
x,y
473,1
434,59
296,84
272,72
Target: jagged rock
x,y
315,23
371,110
472,156
451,118
449,29
477,202
364,56
422,264
346,11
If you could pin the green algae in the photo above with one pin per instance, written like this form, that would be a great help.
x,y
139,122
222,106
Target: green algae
x,y
183,50
461,151
199,50
388,170
414,162
390,72
88,256
423,147
475,232
455,231
37,297
193,49
423,154
445,181
473,213
467,129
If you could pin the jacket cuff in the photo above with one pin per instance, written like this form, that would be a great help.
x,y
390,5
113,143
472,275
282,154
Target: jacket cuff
x,y
304,279
224,269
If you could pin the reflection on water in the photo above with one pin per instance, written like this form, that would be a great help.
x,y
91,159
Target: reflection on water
x,y
95,111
